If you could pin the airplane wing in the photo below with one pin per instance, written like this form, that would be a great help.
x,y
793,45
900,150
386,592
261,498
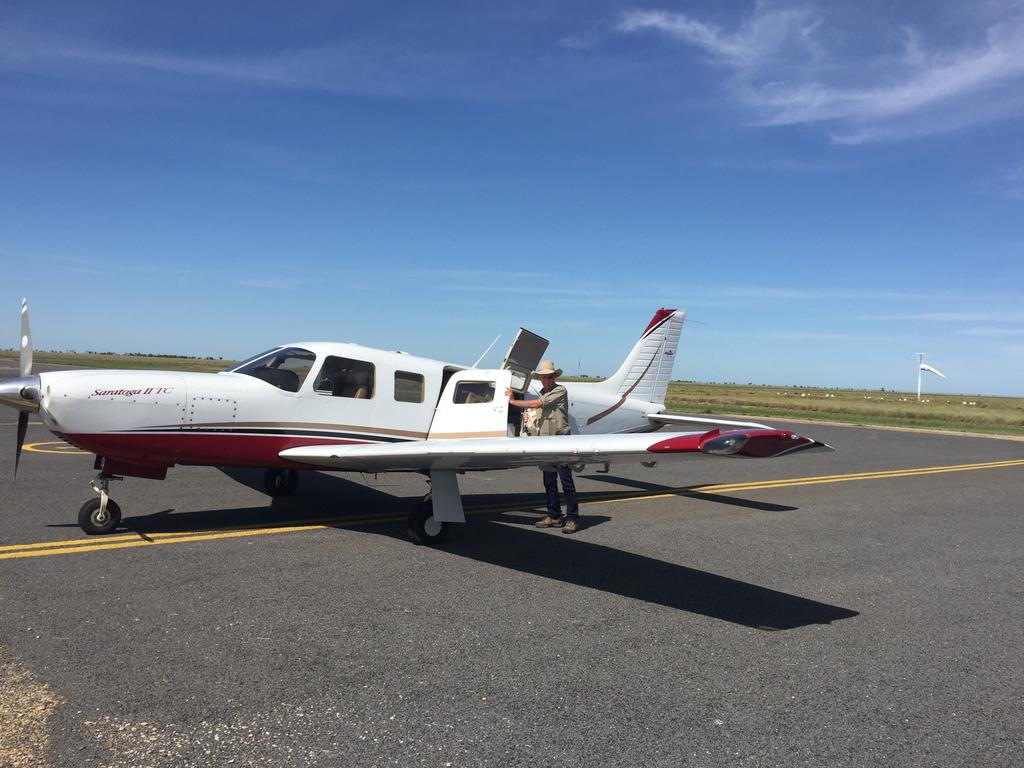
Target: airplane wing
x,y
511,452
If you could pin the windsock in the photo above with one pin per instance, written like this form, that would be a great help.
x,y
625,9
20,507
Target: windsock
x,y
926,367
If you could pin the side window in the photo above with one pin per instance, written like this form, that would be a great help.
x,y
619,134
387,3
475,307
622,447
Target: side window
x,y
474,392
408,387
343,377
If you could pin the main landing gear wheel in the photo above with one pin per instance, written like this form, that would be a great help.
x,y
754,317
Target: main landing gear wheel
x,y
423,528
93,520
280,482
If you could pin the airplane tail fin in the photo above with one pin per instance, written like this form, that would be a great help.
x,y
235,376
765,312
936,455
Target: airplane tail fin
x,y
645,373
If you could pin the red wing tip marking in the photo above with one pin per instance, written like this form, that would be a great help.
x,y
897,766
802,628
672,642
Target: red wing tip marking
x,y
754,443
680,444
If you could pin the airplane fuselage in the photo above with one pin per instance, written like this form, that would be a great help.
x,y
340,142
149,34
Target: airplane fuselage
x,y
145,421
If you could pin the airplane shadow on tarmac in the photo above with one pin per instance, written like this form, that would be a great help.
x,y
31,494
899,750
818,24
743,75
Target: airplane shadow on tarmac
x,y
499,533
579,562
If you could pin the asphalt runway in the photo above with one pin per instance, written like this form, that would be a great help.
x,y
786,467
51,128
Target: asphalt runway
x,y
856,608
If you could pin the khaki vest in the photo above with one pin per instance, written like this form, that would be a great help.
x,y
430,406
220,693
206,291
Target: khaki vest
x,y
553,414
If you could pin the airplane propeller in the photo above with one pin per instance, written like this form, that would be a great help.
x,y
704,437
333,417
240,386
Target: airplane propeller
x,y
22,429
23,392
26,341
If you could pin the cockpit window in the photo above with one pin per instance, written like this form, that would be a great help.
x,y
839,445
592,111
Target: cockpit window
x,y
233,368
285,368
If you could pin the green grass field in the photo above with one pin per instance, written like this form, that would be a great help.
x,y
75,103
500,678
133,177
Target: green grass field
x,y
961,413
109,360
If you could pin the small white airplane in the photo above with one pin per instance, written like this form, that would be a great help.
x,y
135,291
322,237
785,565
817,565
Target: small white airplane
x,y
345,407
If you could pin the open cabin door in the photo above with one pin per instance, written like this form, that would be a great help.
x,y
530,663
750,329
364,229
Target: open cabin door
x,y
523,357
473,404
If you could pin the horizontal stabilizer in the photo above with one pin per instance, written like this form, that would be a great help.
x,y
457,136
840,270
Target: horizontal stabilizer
x,y
663,419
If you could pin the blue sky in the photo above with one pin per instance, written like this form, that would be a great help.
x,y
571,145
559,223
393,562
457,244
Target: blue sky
x,y
827,187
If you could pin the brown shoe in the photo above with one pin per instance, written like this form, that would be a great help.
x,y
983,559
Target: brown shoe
x,y
549,522
571,526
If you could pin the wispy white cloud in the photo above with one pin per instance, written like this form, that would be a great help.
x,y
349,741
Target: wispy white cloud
x,y
784,164
18,261
529,289
581,41
759,39
568,286
477,276
342,67
1013,183
1000,316
990,332
273,283
785,70
932,79
809,294
1008,184
799,336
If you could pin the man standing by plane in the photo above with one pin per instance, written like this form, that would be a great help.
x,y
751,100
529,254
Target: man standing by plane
x,y
553,419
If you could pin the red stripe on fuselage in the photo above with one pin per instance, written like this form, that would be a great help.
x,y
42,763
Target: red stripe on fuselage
x,y
220,450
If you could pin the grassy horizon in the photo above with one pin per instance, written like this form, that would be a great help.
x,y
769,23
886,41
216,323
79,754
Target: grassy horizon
x,y
117,360
961,413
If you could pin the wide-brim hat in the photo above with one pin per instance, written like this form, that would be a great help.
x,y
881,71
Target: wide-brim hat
x,y
547,368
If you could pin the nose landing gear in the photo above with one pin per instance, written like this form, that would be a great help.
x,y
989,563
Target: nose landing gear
x,y
102,515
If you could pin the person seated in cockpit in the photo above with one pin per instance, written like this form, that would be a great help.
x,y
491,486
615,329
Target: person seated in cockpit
x,y
359,385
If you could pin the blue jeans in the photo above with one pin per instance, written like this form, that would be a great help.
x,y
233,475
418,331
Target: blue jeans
x,y
572,507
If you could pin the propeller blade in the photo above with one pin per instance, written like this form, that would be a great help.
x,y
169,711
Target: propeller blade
x,y
26,341
22,429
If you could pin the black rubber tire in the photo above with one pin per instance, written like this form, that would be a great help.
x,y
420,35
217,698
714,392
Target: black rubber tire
x,y
423,528
87,517
280,482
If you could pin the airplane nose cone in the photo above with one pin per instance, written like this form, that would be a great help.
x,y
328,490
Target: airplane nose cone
x,y
22,393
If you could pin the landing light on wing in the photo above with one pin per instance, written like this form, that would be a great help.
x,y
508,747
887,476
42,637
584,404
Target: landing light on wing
x,y
725,445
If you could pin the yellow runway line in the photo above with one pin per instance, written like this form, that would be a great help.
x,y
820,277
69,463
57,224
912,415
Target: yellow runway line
x,y
319,522
824,479
131,541
134,540
137,542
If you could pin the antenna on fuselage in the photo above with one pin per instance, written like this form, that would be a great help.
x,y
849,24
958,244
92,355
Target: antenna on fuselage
x,y
474,365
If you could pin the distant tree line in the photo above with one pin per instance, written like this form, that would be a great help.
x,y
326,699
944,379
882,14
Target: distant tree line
x,y
126,354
